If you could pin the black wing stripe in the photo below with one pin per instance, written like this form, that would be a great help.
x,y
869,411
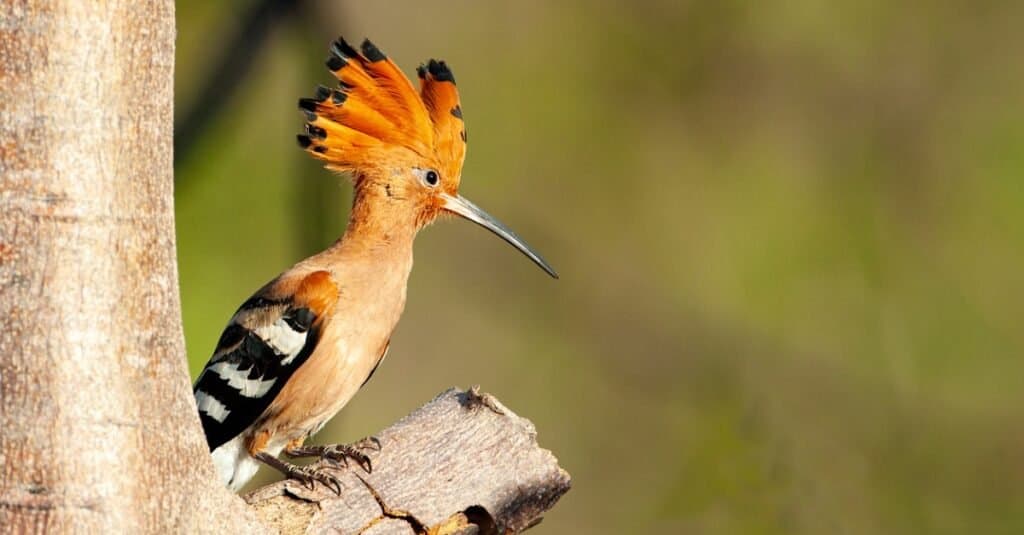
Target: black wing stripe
x,y
299,320
240,383
260,302
246,372
231,336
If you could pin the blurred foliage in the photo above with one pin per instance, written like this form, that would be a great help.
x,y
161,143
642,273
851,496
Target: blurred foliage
x,y
790,238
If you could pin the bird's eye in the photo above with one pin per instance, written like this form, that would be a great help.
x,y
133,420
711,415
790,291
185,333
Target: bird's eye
x,y
431,178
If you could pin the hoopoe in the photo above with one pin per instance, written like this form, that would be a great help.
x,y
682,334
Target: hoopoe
x,y
297,351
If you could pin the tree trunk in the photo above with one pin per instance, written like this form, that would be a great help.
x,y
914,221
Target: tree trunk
x,y
98,431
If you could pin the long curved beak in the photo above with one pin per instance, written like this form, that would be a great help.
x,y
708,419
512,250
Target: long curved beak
x,y
459,205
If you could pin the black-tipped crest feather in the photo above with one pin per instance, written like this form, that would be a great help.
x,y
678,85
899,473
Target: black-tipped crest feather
x,y
371,52
440,71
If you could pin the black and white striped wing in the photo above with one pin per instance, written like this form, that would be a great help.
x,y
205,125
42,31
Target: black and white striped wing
x,y
259,350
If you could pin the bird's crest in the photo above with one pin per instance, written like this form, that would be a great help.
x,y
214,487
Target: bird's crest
x,y
375,110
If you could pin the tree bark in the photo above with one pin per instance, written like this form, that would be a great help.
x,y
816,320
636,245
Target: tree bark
x,y
98,431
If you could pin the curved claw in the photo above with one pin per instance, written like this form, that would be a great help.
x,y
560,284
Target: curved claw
x,y
307,476
366,443
328,480
340,454
302,479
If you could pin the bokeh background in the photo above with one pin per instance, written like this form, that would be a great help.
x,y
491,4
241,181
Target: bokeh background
x,y
790,235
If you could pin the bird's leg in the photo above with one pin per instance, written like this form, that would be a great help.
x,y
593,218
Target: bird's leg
x,y
340,453
303,474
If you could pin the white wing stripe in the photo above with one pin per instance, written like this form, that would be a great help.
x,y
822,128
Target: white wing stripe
x,y
211,406
250,388
285,341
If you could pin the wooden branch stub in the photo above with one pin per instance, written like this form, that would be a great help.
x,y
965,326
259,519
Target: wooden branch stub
x,y
462,463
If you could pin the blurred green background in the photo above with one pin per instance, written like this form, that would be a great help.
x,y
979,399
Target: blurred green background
x,y
790,236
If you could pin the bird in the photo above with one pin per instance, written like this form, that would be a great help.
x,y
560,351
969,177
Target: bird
x,y
295,353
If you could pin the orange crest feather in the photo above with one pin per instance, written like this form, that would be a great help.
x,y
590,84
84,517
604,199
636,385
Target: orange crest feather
x,y
437,88
376,109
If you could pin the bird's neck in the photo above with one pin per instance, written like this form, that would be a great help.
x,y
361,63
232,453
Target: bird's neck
x,y
380,230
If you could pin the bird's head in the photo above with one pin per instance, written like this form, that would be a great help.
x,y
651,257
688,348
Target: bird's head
x,y
403,148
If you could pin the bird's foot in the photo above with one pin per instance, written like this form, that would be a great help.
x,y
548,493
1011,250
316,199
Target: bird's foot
x,y
340,454
307,475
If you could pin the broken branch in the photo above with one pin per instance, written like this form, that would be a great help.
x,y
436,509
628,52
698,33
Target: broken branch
x,y
462,463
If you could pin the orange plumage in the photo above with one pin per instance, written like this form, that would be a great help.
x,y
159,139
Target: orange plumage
x,y
441,97
376,110
318,292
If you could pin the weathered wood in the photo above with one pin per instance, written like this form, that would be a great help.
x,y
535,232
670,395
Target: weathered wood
x,y
462,463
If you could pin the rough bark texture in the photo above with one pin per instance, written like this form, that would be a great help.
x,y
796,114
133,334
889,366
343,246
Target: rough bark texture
x,y
463,463
98,431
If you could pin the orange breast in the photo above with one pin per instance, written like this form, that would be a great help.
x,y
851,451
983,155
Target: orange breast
x,y
354,334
